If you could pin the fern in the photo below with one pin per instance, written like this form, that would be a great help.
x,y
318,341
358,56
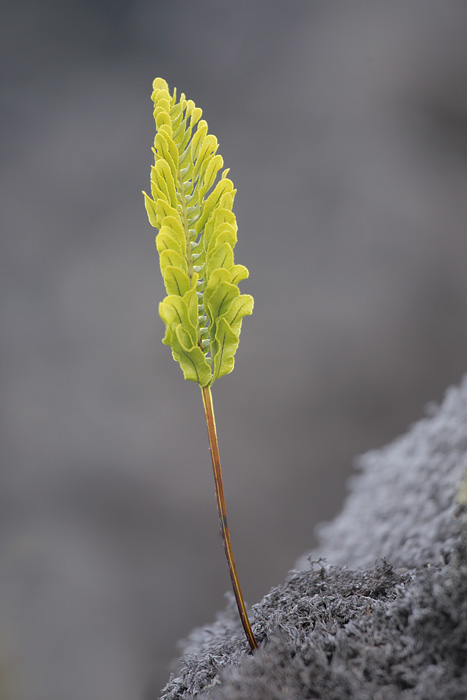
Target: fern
x,y
191,206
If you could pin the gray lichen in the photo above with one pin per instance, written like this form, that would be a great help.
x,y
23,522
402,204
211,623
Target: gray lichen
x,y
392,625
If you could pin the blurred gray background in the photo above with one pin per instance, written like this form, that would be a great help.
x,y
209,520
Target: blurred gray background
x,y
345,128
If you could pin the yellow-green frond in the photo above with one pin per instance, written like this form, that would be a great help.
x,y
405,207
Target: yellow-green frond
x,y
191,205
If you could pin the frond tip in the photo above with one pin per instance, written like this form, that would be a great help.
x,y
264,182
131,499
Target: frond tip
x,y
191,206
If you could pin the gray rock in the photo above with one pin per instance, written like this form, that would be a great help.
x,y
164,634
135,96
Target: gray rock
x,y
402,504
384,629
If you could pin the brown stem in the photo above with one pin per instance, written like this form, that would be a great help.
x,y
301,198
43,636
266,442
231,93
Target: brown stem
x,y
216,465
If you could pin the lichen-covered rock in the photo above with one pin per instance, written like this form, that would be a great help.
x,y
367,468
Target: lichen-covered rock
x,y
393,628
402,504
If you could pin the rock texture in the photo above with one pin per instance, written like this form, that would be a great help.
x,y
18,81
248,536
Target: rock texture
x,y
384,615
402,505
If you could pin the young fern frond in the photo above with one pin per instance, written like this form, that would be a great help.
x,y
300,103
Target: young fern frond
x,y
191,205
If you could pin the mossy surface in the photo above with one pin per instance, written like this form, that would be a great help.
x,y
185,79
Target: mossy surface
x,y
390,630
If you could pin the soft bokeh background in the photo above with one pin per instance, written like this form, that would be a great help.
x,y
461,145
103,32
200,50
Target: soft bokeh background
x,y
345,128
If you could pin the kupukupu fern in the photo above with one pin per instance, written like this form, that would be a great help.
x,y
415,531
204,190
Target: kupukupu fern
x,y
191,206
204,309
